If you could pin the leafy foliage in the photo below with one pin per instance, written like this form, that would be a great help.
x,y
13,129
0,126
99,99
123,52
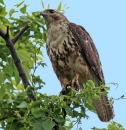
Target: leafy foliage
x,y
112,126
17,112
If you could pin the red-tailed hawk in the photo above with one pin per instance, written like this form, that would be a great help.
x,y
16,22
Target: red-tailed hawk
x,y
74,57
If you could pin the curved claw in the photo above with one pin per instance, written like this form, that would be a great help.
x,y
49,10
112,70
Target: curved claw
x,y
75,83
65,89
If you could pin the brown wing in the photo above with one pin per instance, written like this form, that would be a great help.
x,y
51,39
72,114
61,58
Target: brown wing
x,y
88,49
90,54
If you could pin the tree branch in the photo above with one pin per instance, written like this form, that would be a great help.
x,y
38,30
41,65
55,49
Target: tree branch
x,y
2,33
15,56
7,33
14,40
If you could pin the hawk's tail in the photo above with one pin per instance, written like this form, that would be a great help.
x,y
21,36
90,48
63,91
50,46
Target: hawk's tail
x,y
104,109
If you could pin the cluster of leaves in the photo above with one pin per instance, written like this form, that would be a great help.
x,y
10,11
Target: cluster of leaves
x,y
44,114
17,112
48,112
28,48
112,126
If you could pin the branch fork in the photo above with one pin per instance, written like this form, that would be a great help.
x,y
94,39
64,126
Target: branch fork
x,y
10,44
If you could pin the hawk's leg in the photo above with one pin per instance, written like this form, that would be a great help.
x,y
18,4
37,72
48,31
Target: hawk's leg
x,y
65,84
75,83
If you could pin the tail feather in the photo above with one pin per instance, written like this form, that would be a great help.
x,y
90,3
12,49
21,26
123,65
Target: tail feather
x,y
104,109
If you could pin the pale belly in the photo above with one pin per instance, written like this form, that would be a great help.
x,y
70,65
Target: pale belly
x,y
67,61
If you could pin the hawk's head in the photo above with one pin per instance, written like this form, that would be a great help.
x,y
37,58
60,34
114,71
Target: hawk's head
x,y
51,15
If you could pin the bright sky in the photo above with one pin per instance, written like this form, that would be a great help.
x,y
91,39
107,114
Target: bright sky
x,y
106,23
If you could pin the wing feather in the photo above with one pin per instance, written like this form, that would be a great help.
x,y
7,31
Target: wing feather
x,y
88,49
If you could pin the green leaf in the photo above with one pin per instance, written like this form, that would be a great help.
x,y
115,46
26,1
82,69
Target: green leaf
x,y
9,92
11,12
57,111
75,113
13,82
1,78
42,4
38,126
2,92
20,87
23,54
63,128
44,37
39,23
37,112
3,12
59,119
59,6
115,126
1,1
10,119
83,111
29,89
19,4
10,85
69,111
48,6
48,124
24,19
36,103
90,84
23,9
89,99
22,105
17,77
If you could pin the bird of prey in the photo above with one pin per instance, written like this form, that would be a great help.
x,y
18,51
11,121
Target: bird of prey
x,y
74,57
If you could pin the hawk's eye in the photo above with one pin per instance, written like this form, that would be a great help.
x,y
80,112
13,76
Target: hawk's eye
x,y
51,11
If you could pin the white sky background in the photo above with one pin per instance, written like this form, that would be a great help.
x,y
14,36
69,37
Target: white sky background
x,y
106,23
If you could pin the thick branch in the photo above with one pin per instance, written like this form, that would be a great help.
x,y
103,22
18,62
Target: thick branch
x,y
20,33
15,57
3,118
2,33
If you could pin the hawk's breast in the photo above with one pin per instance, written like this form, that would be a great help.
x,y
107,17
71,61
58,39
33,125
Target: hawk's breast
x,y
64,53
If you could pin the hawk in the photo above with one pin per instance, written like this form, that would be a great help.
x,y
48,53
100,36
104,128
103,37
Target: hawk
x,y
74,57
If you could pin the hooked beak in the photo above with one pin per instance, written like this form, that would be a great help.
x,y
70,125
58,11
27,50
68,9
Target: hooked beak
x,y
41,13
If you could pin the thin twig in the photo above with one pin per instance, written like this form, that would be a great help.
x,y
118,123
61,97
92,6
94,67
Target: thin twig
x,y
115,84
121,97
15,57
14,40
